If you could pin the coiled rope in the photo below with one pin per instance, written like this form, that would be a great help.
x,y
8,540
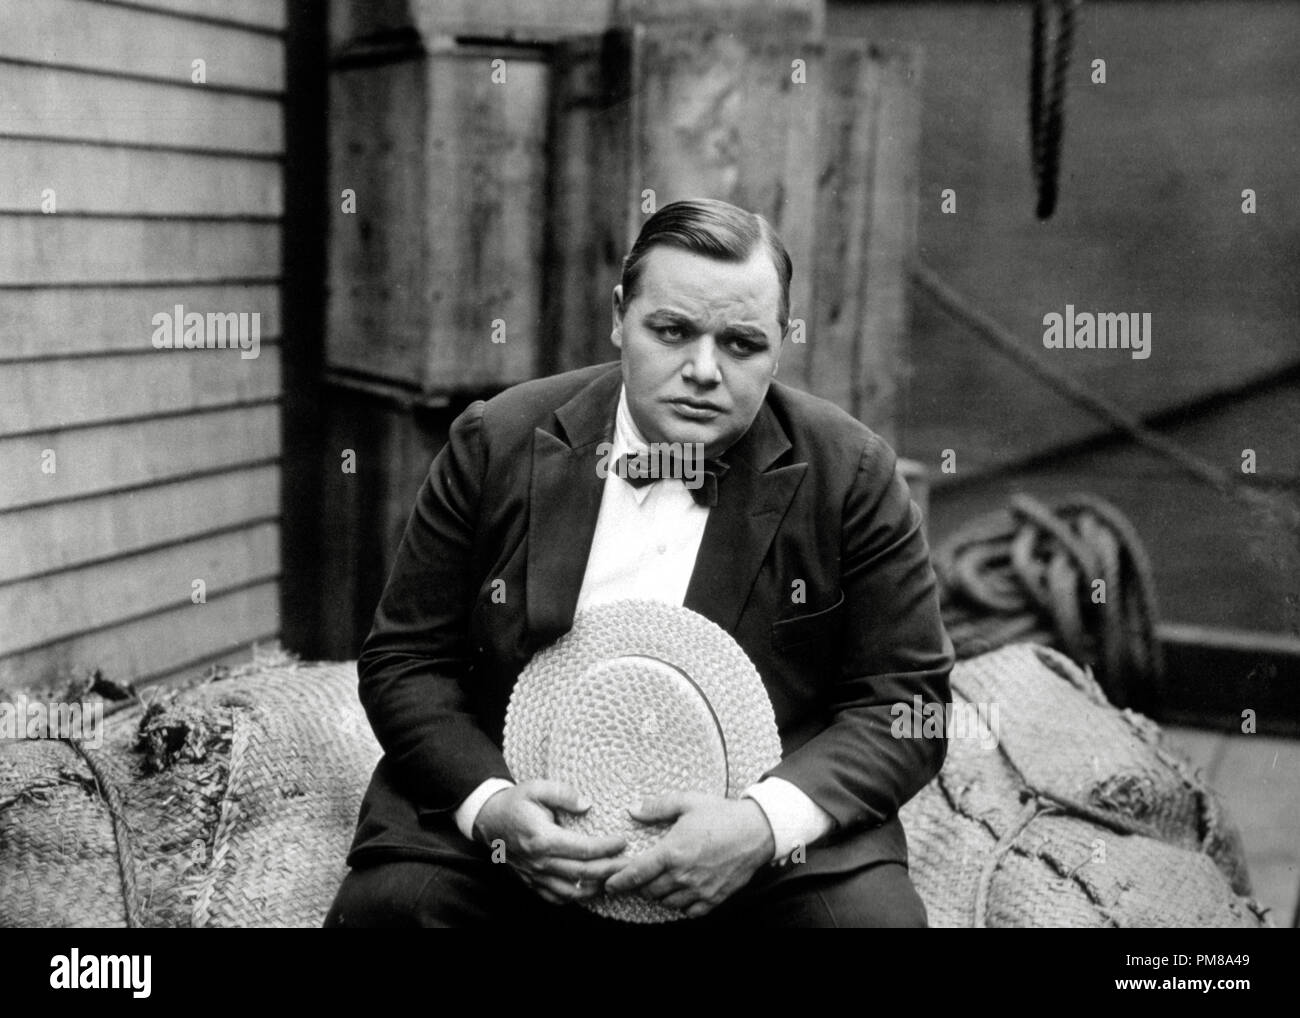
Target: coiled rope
x,y
1074,577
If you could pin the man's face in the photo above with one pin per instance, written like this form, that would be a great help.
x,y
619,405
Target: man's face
x,y
700,344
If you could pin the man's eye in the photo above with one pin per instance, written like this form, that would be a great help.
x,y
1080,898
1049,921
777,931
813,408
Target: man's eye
x,y
671,331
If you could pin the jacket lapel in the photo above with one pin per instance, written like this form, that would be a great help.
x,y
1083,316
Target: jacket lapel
x,y
564,501
752,502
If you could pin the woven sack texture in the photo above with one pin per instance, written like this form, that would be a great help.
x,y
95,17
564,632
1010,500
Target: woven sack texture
x,y
1075,815
640,698
237,809
247,816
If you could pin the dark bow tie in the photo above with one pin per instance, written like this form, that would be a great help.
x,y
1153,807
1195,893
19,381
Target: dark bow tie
x,y
645,468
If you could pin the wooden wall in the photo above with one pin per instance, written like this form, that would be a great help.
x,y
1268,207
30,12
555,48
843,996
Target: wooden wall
x,y
166,192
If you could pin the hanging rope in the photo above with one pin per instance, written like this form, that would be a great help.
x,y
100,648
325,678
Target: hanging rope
x,y
1031,573
1049,64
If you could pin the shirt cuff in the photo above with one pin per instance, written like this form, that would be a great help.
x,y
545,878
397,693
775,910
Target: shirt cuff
x,y
467,812
795,819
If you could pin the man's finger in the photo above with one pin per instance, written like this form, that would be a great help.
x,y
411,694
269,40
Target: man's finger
x,y
680,901
638,873
660,808
548,895
594,873
557,795
664,886
567,890
585,847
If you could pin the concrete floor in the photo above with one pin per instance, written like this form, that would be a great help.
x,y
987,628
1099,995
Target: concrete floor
x,y
1258,781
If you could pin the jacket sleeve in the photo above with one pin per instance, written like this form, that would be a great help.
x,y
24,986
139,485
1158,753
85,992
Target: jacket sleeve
x,y
893,648
415,665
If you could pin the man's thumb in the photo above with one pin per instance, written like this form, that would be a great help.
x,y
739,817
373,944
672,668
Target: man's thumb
x,y
658,808
560,795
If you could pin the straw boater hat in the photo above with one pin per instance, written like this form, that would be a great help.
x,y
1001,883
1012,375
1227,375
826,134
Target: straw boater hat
x,y
637,699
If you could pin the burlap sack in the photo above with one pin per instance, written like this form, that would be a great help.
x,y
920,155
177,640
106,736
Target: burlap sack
x,y
235,808
238,806
1077,816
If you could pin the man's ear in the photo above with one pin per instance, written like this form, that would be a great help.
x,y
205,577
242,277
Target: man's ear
x,y
616,331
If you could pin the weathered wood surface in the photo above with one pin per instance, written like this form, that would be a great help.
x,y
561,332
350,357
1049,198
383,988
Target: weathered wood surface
x,y
112,456
856,347
42,102
50,608
268,15
64,249
68,534
115,181
444,251
586,232
717,114
51,321
165,463
109,38
179,640
53,394
379,255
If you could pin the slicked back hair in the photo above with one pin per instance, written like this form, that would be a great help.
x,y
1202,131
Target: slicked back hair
x,y
714,229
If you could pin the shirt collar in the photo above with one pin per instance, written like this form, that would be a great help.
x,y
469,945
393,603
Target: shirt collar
x,y
627,436
628,440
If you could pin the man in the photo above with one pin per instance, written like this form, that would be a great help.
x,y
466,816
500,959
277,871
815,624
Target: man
x,y
812,558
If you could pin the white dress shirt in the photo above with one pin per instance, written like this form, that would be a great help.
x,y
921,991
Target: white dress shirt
x,y
644,547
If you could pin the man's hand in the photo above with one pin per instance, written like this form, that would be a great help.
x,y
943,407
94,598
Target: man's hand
x,y
712,850
561,866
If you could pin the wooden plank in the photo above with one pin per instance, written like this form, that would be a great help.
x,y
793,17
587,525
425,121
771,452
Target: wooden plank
x,y
65,104
488,162
265,14
41,540
585,230
101,37
91,178
525,20
93,460
890,244
849,107
42,610
717,114
63,321
154,646
416,300
44,395
64,249
378,281
366,512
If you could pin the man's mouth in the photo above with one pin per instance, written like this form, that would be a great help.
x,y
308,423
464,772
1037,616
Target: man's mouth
x,y
695,409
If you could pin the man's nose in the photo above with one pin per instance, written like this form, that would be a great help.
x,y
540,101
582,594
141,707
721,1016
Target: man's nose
x,y
701,365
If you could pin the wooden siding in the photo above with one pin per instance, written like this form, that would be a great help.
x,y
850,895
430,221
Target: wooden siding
x,y
167,192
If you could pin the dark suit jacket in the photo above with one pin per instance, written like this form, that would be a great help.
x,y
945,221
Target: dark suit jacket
x,y
811,495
